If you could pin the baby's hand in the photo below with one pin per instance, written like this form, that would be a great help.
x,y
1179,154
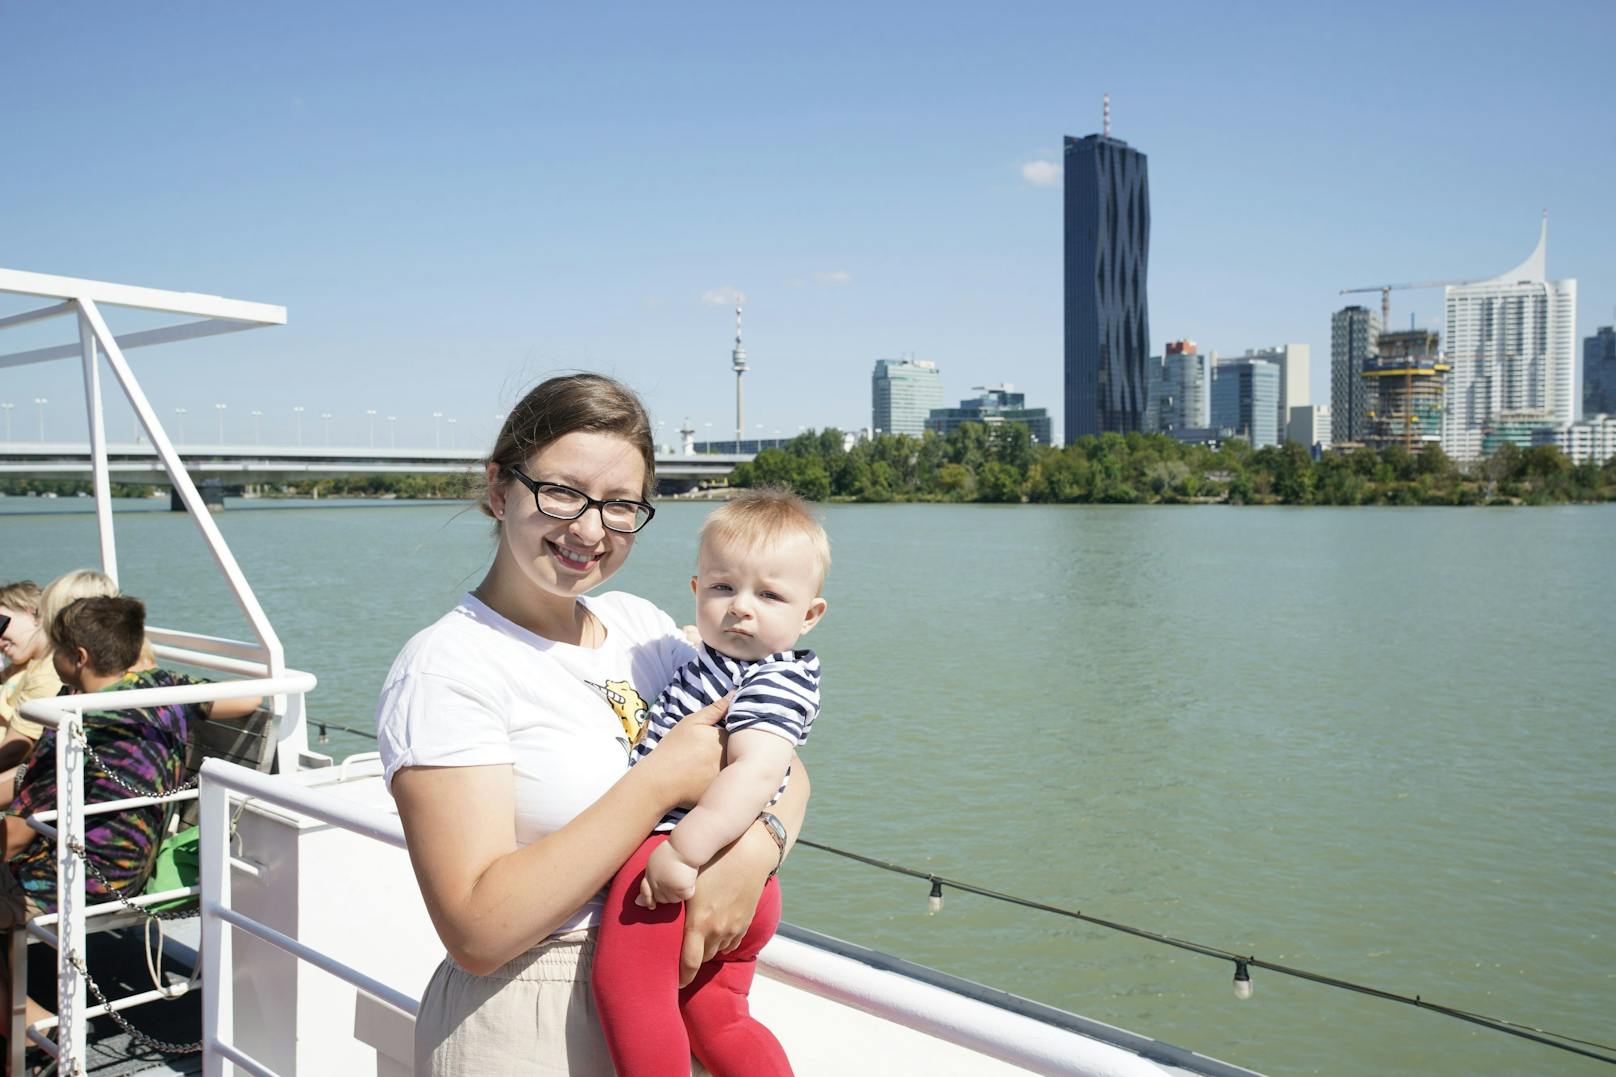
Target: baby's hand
x,y
668,878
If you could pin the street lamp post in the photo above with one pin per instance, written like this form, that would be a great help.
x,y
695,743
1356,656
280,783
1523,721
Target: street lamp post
x,y
39,403
7,409
392,431
297,410
370,414
325,416
181,413
258,437
220,409
709,436
437,430
451,432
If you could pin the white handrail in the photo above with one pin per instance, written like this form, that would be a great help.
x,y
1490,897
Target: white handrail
x,y
219,779
64,714
54,710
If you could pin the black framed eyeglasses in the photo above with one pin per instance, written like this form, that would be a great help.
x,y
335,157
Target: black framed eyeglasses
x,y
565,503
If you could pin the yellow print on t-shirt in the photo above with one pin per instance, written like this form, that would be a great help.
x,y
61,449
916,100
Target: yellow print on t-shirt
x,y
630,708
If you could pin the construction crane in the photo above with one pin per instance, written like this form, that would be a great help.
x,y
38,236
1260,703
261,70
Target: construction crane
x,y
1386,291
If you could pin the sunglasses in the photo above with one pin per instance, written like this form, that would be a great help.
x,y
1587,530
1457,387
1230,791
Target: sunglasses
x,y
5,623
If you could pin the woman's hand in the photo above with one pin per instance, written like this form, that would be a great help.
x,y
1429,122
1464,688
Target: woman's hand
x,y
727,892
688,759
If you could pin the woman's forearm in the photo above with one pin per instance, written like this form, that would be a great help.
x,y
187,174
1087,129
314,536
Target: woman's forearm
x,y
490,905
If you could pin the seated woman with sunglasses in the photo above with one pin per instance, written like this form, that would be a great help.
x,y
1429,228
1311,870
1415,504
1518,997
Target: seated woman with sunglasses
x,y
29,676
505,728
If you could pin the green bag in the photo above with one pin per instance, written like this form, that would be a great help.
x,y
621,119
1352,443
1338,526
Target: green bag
x,y
179,863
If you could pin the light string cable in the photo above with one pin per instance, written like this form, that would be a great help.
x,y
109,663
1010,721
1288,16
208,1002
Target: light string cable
x,y
1243,963
323,725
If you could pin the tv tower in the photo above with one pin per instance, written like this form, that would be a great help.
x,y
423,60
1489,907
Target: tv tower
x,y
738,362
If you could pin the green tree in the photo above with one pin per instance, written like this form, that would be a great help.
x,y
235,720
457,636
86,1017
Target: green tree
x,y
955,483
998,482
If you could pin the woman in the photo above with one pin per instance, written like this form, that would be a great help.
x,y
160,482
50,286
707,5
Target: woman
x,y
26,647
505,730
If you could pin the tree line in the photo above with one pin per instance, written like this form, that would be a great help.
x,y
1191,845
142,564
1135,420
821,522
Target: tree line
x,y
425,487
1001,463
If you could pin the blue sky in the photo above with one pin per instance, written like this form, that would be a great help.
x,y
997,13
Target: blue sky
x,y
456,200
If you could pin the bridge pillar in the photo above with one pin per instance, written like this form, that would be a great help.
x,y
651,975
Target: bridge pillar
x,y
212,491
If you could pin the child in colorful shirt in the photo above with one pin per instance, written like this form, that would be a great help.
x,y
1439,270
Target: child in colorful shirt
x,y
761,567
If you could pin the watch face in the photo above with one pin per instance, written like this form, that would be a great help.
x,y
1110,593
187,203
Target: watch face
x,y
777,829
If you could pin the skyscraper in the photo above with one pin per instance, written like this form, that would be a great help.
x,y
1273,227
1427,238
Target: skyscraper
x,y
1107,248
1599,373
902,394
1354,336
1180,386
1245,399
1511,344
1292,360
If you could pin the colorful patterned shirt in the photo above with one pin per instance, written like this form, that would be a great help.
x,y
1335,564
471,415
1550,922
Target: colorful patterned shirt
x,y
145,749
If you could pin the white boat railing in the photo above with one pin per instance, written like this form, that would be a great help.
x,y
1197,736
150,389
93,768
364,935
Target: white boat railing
x,y
83,300
219,780
66,824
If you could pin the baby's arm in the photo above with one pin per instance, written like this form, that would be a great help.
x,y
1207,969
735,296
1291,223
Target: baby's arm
x,y
758,761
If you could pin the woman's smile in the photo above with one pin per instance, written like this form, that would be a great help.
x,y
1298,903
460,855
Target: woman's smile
x,y
571,559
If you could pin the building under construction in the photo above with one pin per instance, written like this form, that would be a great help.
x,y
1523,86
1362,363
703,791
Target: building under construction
x,y
1405,386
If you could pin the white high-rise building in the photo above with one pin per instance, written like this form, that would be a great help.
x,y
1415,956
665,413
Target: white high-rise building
x,y
903,393
1180,390
1292,360
1511,344
1310,426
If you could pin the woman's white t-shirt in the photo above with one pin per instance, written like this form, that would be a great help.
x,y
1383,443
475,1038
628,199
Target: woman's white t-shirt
x,y
475,689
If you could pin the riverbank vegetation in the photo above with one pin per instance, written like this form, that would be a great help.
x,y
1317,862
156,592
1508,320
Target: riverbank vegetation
x,y
1003,464
403,487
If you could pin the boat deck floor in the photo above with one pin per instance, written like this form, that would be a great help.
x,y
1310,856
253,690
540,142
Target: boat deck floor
x,y
118,963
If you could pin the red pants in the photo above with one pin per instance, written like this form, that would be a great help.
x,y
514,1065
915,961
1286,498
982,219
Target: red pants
x,y
653,1026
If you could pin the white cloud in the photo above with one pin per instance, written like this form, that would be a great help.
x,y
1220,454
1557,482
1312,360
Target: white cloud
x,y
725,295
834,276
1042,173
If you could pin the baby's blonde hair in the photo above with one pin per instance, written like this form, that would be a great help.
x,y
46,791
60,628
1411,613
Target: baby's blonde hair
x,y
765,516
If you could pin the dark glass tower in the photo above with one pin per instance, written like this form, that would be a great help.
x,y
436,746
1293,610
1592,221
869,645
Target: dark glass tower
x,y
1599,373
1107,258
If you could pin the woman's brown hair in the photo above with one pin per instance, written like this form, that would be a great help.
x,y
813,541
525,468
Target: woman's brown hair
x,y
564,405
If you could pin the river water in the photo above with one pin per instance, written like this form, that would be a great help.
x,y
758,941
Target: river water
x,y
1375,743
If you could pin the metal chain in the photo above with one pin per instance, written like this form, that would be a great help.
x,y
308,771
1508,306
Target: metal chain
x,y
171,914
122,1022
163,1046
117,780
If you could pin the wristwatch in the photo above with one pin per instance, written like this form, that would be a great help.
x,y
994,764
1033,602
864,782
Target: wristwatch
x,y
777,831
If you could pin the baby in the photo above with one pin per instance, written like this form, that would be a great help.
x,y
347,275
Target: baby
x,y
761,567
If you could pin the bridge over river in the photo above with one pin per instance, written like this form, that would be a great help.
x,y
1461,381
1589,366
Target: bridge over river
x,y
219,470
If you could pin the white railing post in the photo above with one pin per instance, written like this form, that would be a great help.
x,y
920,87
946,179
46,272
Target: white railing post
x,y
70,898
217,988
181,479
98,449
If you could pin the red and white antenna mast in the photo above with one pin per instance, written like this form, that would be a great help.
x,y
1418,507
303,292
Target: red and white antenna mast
x,y
1107,126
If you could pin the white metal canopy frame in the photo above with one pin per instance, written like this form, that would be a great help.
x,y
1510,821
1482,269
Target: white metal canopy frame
x,y
203,315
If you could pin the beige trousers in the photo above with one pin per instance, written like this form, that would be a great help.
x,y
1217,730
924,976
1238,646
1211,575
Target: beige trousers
x,y
532,1015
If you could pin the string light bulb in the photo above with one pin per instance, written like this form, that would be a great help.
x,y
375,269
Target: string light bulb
x,y
1242,981
934,903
